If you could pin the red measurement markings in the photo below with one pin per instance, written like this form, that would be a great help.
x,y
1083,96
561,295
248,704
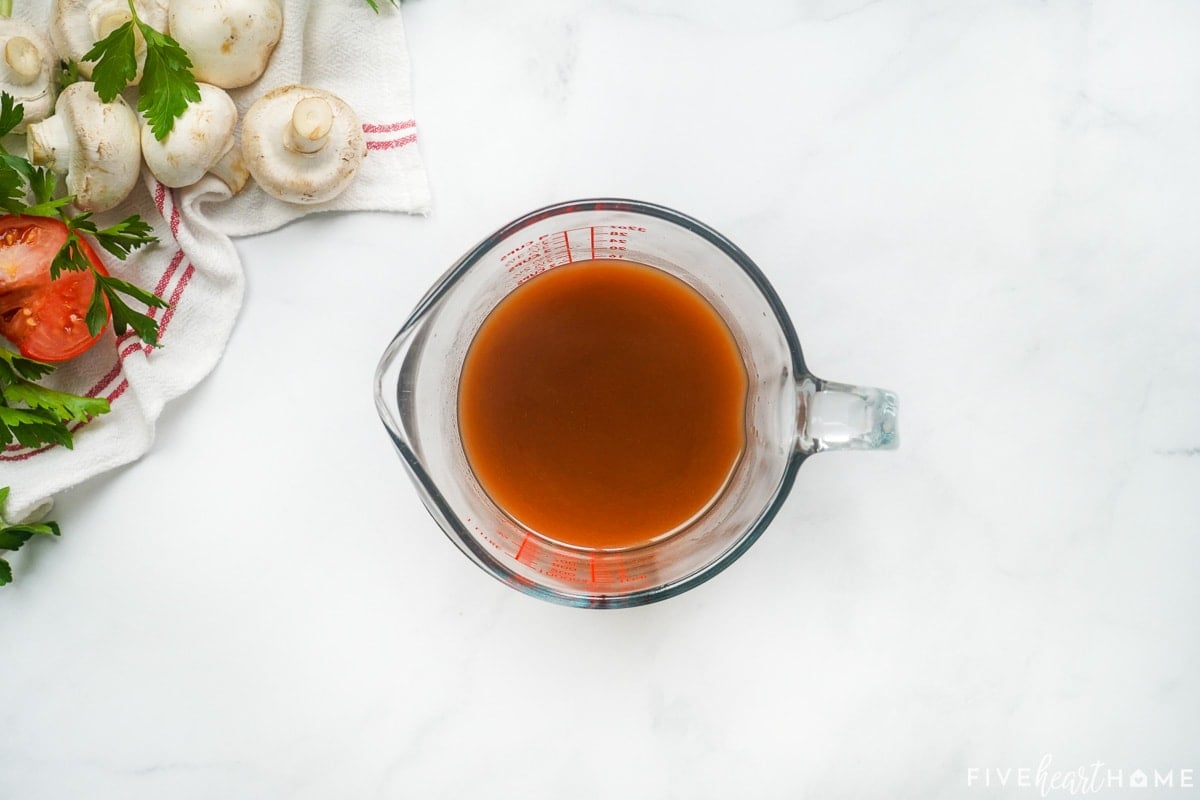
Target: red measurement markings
x,y
563,568
614,239
531,545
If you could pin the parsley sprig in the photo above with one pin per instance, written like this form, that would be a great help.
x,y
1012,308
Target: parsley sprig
x,y
20,181
374,4
120,239
33,415
13,536
167,85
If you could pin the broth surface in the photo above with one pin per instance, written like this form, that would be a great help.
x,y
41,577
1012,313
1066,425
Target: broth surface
x,y
602,404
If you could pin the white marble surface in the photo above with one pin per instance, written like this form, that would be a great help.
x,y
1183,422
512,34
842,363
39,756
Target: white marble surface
x,y
991,208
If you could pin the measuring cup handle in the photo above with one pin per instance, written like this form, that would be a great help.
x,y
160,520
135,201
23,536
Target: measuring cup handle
x,y
838,416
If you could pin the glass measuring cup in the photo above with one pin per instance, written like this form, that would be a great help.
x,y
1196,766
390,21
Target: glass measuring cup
x,y
790,413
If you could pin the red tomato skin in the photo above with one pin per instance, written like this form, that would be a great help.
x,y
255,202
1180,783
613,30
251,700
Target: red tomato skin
x,y
44,318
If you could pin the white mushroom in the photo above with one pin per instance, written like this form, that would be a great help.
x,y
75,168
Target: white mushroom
x,y
302,145
228,41
201,141
95,144
27,70
79,24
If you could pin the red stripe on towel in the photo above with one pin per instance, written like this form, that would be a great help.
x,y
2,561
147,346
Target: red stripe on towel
x,y
390,127
392,144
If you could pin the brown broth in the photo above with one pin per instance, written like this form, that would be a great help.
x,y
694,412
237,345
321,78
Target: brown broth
x,y
602,404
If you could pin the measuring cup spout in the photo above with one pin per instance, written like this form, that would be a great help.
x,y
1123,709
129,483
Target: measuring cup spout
x,y
393,383
388,412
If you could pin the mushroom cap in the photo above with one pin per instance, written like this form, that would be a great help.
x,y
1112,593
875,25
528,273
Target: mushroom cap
x,y
200,137
77,24
105,155
298,177
228,41
37,95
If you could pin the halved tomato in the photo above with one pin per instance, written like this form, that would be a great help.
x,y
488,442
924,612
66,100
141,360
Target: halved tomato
x,y
44,318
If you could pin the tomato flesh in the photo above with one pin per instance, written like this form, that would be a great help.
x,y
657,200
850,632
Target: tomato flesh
x,y
46,319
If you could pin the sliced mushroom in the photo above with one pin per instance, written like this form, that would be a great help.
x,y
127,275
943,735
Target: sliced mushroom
x,y
302,145
27,70
79,24
93,143
202,141
228,41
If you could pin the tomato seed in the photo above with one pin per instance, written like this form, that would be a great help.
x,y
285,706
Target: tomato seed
x,y
26,235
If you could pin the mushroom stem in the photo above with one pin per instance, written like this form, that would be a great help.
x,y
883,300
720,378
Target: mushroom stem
x,y
312,119
22,60
49,144
231,168
301,151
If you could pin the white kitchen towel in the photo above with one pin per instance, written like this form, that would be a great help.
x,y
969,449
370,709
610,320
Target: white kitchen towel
x,y
337,45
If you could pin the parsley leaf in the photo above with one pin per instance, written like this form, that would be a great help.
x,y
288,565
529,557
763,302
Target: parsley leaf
x,y
71,257
126,236
32,428
14,368
50,208
168,85
42,183
97,313
35,415
68,407
13,536
11,114
116,61
123,316
12,189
